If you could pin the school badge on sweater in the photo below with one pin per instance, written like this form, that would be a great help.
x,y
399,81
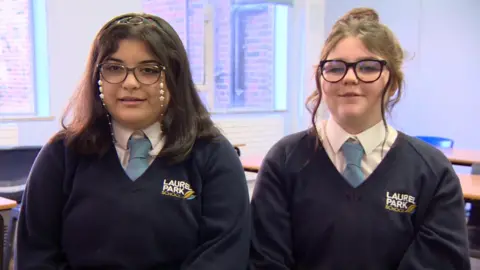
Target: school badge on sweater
x,y
178,189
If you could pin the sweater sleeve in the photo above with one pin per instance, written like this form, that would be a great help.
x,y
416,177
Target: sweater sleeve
x,y
441,241
39,224
271,236
225,225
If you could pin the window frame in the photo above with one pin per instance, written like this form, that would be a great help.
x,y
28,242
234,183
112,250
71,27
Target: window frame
x,y
280,56
280,81
40,75
209,56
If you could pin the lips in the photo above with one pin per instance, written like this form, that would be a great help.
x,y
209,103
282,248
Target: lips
x,y
131,99
350,95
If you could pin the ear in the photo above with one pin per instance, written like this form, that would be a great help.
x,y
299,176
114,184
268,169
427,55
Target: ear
x,y
393,89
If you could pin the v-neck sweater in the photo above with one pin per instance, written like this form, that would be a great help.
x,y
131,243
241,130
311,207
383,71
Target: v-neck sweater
x,y
407,214
84,213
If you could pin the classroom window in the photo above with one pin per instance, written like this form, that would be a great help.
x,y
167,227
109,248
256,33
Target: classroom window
x,y
22,24
237,50
16,58
187,18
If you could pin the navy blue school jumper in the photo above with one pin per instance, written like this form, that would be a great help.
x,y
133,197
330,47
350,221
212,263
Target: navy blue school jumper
x,y
84,212
408,214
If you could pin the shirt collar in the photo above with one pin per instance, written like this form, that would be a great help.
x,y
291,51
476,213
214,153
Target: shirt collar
x,y
123,134
369,139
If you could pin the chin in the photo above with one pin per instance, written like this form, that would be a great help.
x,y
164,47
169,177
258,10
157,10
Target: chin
x,y
351,112
134,121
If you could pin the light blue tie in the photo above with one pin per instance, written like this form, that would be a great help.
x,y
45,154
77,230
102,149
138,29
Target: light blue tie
x,y
353,152
138,161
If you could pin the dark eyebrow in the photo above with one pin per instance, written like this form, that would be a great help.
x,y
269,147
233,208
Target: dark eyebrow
x,y
358,59
113,59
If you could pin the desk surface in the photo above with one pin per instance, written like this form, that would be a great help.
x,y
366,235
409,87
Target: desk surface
x,y
462,156
7,204
470,183
251,164
239,145
470,186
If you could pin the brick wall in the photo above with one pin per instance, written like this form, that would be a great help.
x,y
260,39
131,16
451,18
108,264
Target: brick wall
x,y
196,39
173,11
258,55
222,54
16,58
190,30
258,58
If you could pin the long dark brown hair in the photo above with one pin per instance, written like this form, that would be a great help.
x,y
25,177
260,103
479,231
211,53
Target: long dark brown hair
x,y
364,23
186,118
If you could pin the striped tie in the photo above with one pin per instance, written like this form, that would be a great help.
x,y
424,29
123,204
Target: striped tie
x,y
138,161
353,152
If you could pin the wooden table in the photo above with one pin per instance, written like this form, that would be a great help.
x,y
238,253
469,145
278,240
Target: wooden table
x,y
470,183
470,186
237,148
462,157
6,204
239,145
251,164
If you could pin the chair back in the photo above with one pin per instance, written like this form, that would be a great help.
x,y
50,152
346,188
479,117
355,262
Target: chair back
x,y
15,165
438,142
475,169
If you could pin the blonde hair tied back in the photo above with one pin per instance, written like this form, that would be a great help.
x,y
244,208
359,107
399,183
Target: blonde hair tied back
x,y
364,23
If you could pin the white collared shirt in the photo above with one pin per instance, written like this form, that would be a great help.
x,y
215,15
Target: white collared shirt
x,y
123,134
372,140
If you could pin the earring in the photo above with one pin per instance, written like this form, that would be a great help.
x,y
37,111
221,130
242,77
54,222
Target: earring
x,y
102,96
100,88
162,92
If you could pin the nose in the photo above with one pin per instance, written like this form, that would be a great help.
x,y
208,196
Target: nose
x,y
350,77
130,81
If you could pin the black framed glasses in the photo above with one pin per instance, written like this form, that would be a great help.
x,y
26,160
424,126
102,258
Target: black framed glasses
x,y
117,73
367,71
